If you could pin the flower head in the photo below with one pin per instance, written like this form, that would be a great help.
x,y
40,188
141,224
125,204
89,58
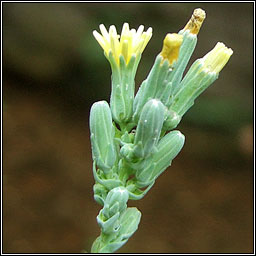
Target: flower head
x,y
196,21
171,47
217,58
131,42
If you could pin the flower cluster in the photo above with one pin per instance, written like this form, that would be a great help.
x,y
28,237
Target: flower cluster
x,y
133,139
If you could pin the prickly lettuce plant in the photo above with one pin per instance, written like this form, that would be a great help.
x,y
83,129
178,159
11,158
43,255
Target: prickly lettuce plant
x,y
132,139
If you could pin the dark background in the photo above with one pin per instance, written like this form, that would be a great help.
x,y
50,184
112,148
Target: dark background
x,y
53,70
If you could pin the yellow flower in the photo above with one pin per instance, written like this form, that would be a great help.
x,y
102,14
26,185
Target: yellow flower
x,y
196,21
171,47
217,58
130,43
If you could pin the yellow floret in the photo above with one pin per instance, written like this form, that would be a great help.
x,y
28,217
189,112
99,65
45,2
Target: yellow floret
x,y
171,47
217,58
130,43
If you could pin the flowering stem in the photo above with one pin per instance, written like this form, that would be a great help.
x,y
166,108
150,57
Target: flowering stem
x,y
133,141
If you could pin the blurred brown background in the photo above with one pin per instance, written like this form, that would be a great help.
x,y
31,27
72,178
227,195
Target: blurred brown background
x,y
53,70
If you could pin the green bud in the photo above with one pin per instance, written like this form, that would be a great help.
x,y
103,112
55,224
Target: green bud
x,y
108,226
194,83
102,135
129,222
149,128
116,201
167,149
126,138
100,193
127,151
156,86
171,121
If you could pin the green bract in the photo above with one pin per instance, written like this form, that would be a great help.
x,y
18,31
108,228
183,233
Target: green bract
x,y
133,141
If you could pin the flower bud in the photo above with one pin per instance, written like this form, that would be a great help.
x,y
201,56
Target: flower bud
x,y
108,225
102,135
200,76
128,224
167,149
156,86
115,201
149,128
100,193
171,121
189,33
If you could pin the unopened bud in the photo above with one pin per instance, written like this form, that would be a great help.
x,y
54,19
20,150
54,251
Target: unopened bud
x,y
149,128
